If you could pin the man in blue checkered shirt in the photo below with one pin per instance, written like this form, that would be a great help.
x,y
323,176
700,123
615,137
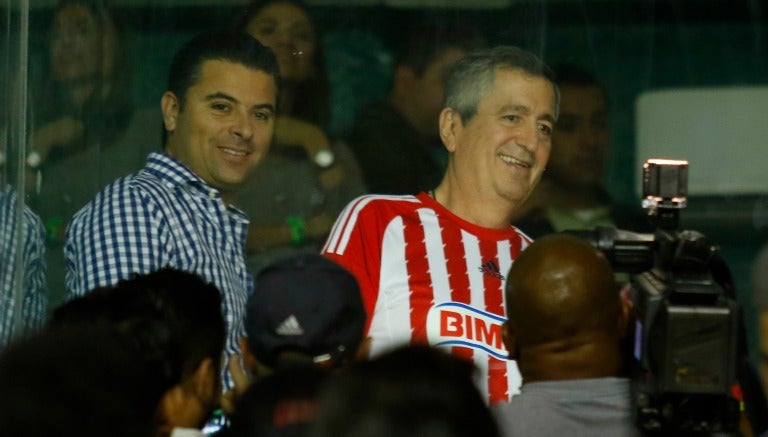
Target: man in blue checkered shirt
x,y
219,114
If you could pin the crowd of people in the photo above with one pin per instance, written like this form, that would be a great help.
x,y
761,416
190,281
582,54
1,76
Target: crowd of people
x,y
244,273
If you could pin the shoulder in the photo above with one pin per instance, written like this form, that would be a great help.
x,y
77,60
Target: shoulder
x,y
382,205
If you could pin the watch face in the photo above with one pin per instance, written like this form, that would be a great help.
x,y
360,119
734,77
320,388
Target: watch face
x,y
324,158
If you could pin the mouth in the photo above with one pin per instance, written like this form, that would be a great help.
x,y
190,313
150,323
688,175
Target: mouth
x,y
240,153
511,160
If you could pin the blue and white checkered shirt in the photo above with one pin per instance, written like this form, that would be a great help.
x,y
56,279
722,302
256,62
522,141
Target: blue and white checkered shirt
x,y
163,216
31,292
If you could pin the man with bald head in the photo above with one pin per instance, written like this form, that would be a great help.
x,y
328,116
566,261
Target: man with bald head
x,y
565,321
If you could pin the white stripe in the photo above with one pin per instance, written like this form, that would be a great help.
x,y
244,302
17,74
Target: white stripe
x,y
474,261
436,259
340,238
505,262
390,326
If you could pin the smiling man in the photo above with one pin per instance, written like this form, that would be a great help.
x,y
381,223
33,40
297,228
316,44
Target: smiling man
x,y
176,212
431,266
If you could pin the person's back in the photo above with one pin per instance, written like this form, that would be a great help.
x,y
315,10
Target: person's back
x,y
565,322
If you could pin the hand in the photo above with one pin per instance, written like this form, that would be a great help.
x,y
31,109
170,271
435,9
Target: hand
x,y
62,132
241,382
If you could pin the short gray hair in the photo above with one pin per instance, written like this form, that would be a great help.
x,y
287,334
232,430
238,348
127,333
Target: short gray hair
x,y
471,78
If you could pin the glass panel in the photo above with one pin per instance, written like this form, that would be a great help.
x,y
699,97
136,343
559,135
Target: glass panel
x,y
82,81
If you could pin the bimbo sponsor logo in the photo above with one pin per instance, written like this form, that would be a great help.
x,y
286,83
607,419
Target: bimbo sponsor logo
x,y
456,324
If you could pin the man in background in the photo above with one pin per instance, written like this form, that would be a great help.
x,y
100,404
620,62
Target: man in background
x,y
571,194
396,140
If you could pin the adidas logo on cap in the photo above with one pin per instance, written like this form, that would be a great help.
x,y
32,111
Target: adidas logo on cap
x,y
290,327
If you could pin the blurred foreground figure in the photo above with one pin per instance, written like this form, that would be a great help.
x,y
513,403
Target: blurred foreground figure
x,y
565,322
409,392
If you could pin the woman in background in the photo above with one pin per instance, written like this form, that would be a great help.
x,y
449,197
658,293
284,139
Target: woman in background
x,y
306,180
85,130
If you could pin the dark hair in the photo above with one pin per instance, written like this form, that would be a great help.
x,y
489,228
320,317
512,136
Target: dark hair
x,y
75,382
236,47
567,73
173,317
471,78
105,116
312,97
426,45
411,391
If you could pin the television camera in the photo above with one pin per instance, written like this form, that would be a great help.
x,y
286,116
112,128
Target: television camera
x,y
688,336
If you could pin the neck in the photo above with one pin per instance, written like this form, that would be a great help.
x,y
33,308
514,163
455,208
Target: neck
x,y
472,207
558,361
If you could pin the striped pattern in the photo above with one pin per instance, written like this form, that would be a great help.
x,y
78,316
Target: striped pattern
x,y
412,257
164,216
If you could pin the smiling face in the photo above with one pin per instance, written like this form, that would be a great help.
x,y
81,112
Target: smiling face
x,y
287,30
225,127
502,151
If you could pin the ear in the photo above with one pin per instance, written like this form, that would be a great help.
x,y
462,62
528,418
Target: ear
x,y
169,104
450,122
509,337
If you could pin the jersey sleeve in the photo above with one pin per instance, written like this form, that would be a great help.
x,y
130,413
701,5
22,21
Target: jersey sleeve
x,y
120,233
355,243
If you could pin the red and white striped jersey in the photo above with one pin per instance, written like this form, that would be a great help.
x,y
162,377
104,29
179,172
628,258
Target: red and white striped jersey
x,y
427,275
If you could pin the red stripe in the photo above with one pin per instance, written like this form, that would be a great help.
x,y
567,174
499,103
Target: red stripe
x,y
497,369
456,265
416,264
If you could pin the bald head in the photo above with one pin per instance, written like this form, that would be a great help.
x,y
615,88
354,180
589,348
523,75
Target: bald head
x,y
561,291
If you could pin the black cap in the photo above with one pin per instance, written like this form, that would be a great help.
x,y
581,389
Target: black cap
x,y
306,304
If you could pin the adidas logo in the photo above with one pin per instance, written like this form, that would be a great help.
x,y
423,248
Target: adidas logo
x,y
490,268
290,327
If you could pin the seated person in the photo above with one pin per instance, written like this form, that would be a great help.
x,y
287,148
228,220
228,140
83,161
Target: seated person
x,y
396,139
306,179
565,322
304,319
571,194
172,319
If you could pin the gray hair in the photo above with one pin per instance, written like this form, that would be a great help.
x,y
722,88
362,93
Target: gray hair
x,y
471,78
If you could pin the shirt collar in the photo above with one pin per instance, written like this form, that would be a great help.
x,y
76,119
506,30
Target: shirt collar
x,y
171,171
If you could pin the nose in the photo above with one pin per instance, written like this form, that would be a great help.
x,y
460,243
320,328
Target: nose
x,y
241,126
528,138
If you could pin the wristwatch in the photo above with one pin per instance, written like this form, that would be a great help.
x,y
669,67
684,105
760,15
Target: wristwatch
x,y
324,158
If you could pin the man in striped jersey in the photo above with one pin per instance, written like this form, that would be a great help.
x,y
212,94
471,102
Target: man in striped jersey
x,y
432,266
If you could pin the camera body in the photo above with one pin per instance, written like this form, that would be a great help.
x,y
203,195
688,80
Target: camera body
x,y
686,332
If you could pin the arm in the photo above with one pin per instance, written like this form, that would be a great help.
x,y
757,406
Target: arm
x,y
35,306
118,234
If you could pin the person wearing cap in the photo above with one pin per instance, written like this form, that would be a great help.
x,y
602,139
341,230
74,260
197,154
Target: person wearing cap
x,y
432,266
304,319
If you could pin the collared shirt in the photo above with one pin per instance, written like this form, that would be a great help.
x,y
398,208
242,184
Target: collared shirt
x,y
31,291
163,216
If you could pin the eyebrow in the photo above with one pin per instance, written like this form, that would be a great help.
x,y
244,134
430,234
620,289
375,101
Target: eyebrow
x,y
227,97
522,109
